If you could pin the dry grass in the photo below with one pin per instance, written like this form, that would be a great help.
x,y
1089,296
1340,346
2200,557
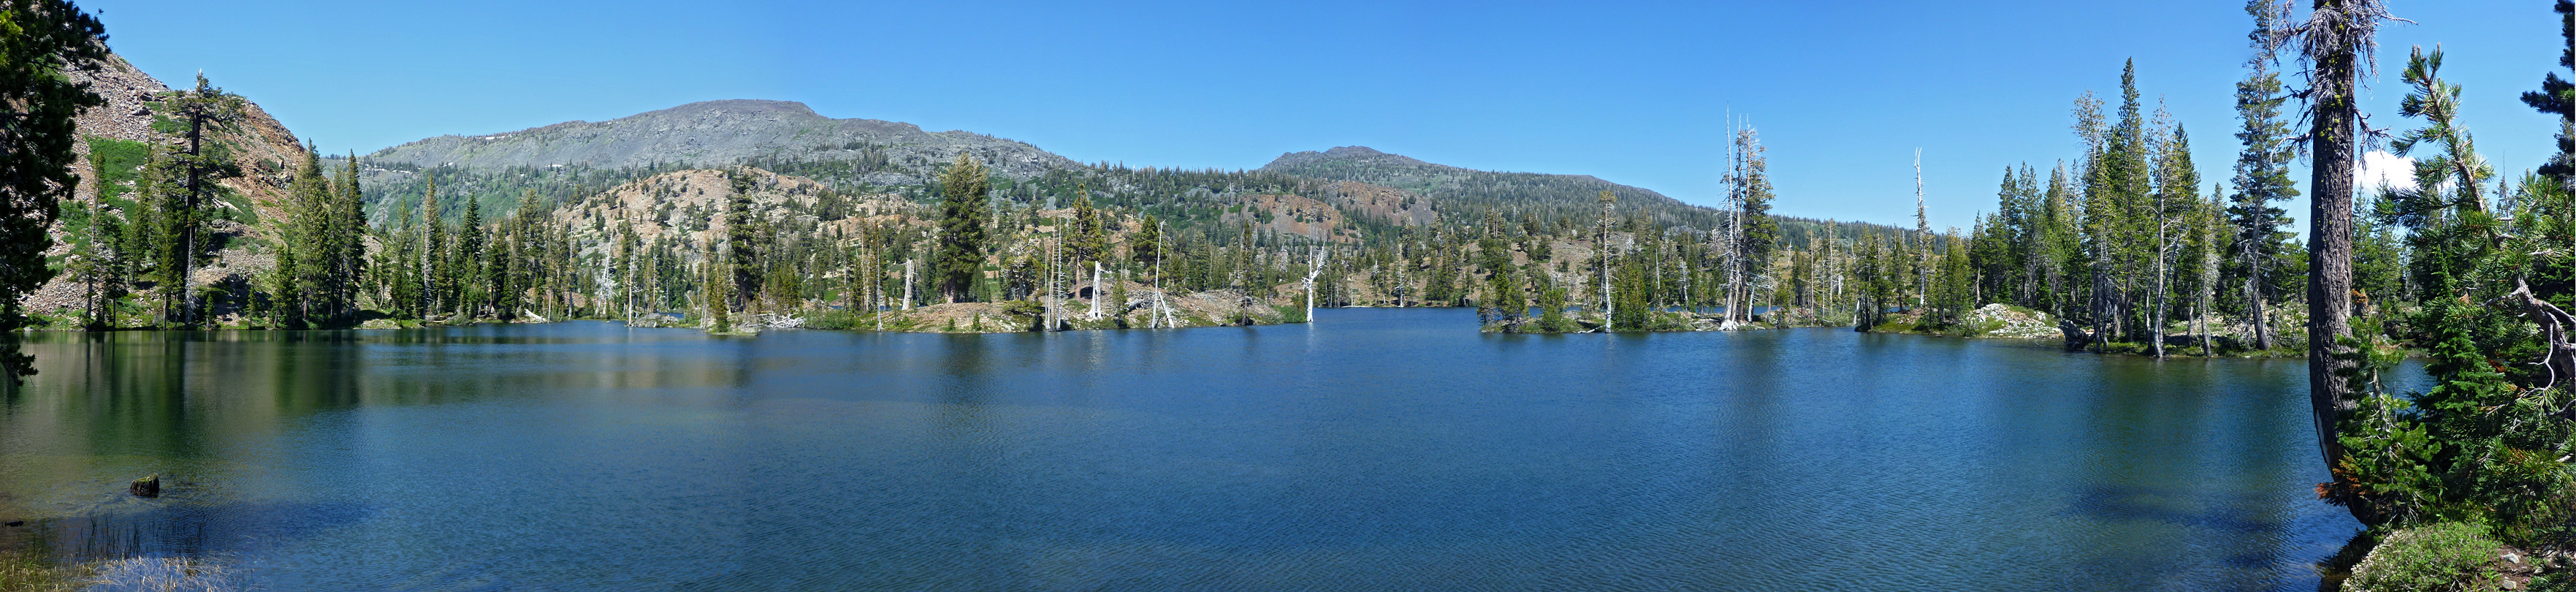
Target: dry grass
x,y
27,571
165,574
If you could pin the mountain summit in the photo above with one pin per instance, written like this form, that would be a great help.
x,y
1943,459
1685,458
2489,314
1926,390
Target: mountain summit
x,y
718,133
1566,194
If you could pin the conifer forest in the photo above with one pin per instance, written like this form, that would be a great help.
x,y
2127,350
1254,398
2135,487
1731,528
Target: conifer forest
x,y
128,206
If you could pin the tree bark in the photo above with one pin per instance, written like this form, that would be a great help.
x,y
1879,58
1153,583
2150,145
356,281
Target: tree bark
x,y
2163,271
2254,306
2333,137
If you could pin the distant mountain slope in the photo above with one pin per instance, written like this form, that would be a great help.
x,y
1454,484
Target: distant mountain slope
x,y
1456,187
564,161
722,133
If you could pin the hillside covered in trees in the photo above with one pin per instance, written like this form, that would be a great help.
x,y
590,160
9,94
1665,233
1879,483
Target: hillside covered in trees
x,y
762,213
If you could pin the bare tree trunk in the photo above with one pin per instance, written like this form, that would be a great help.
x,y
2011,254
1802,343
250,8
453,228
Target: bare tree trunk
x,y
2163,271
1313,270
2336,39
2209,277
1922,238
2255,309
1735,229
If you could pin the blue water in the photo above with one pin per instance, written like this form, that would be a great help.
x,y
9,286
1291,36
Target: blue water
x,y
1376,450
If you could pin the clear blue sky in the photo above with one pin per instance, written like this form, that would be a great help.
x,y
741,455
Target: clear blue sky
x,y
1636,93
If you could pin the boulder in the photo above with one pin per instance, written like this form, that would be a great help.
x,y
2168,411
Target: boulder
x,y
149,486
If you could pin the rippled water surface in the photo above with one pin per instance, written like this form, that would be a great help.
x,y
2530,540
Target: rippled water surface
x,y
1378,450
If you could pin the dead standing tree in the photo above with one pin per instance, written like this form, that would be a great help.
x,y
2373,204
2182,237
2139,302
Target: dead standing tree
x,y
1313,269
1922,237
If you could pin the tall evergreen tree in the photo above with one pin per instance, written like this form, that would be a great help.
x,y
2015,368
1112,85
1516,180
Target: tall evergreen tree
x,y
348,238
2262,171
205,110
1090,231
39,41
305,252
964,231
2557,96
2486,443
1759,234
2177,196
1146,245
466,258
742,250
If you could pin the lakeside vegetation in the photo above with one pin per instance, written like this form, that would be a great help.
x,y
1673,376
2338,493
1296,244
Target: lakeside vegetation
x,y
2123,248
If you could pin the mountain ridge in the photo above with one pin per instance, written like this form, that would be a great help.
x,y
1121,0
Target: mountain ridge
x,y
720,133
1473,189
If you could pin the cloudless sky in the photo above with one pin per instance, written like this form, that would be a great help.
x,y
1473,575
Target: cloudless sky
x,y
1636,93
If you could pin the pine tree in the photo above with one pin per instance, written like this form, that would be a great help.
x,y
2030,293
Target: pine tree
x,y
39,39
742,250
285,284
2262,173
399,265
1758,233
205,110
466,260
2557,96
2177,193
304,250
715,279
1601,246
963,228
349,238
2485,445
1145,247
96,260
1954,291
1090,242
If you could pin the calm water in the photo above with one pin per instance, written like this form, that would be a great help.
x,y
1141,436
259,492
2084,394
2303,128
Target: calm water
x,y
1379,450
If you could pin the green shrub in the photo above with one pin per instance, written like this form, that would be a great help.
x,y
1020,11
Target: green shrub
x,y
118,160
840,319
2439,557
1029,315
2556,578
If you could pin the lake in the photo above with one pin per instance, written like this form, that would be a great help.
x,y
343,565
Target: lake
x,y
1386,449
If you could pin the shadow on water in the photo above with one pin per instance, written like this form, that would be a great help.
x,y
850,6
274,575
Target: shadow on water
x,y
1379,450
182,528
2126,503
185,522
